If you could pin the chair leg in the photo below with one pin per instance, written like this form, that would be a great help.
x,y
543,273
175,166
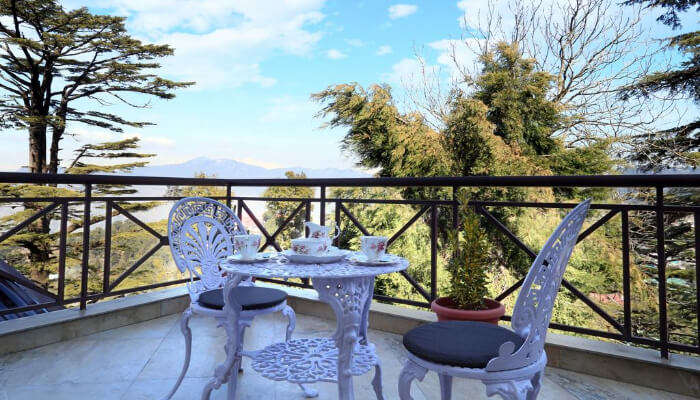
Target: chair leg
x,y
308,391
536,385
187,333
232,377
510,390
445,386
377,381
409,372
292,317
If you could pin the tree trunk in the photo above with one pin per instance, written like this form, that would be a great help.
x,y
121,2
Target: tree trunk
x,y
37,148
56,136
39,251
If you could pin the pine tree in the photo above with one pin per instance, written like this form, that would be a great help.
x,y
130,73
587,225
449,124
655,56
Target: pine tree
x,y
675,147
59,68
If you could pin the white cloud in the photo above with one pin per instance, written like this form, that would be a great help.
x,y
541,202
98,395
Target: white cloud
x,y
401,10
222,43
355,42
463,52
405,72
384,50
335,54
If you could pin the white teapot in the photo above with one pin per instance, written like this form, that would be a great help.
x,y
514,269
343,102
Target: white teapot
x,y
317,231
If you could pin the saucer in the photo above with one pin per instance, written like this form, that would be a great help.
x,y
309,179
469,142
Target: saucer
x,y
332,255
361,259
260,257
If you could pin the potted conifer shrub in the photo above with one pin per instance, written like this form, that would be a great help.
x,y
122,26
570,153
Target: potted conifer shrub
x,y
467,298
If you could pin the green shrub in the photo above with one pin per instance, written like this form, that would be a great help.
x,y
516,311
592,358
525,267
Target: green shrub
x,y
470,258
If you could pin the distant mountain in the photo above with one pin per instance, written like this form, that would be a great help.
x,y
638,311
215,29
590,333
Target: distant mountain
x,y
225,168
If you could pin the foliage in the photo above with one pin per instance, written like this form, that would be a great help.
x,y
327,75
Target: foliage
x,y
277,212
672,8
675,147
386,220
61,67
469,261
52,58
197,191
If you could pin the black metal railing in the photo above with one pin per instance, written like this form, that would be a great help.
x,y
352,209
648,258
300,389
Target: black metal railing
x,y
621,330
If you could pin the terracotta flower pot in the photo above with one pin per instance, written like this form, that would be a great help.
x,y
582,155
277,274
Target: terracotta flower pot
x,y
446,310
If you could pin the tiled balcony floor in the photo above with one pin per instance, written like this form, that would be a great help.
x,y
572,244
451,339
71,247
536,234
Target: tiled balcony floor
x,y
142,361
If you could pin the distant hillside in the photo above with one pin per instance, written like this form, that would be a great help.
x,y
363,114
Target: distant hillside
x,y
224,168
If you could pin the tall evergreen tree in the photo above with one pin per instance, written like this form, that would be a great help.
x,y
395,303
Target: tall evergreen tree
x,y
59,68
675,147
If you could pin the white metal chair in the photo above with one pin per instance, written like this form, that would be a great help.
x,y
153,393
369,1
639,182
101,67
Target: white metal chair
x,y
509,362
201,233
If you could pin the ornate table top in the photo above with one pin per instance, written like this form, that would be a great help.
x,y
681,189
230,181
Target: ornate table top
x,y
279,268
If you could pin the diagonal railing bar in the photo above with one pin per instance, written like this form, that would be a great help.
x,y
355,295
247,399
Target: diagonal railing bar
x,y
354,220
21,280
137,221
510,290
407,225
131,269
481,210
282,226
597,225
260,226
416,285
28,221
612,321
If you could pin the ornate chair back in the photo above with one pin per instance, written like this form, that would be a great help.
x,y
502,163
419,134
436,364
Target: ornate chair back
x,y
533,308
201,233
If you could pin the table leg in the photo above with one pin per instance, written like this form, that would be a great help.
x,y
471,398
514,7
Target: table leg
x,y
348,298
228,371
365,314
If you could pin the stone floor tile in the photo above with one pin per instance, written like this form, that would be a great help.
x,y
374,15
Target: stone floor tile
x,y
142,361
65,391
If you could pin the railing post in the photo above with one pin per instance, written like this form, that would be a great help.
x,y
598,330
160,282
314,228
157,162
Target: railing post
x,y
86,247
696,222
63,232
626,292
433,252
108,248
239,210
322,207
228,195
337,221
307,216
455,207
661,268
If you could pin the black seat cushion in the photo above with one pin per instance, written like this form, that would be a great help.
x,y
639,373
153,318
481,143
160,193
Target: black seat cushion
x,y
249,297
459,343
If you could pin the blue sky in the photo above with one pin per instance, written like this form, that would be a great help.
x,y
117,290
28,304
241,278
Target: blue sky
x,y
256,63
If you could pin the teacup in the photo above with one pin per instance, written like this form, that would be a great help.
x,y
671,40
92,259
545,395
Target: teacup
x,y
309,246
373,247
246,245
317,231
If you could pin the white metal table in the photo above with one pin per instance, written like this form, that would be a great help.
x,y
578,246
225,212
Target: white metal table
x,y
348,289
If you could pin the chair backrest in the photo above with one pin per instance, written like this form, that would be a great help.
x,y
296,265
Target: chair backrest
x,y
200,231
533,308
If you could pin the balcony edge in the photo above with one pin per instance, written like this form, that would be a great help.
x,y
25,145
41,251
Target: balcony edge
x,y
679,374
